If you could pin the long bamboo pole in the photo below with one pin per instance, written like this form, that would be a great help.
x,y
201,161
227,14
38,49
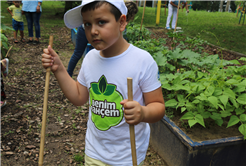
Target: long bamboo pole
x,y
143,15
46,92
131,127
176,22
177,16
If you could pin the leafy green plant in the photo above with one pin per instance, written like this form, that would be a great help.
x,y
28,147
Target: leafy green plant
x,y
195,43
207,91
134,33
177,37
7,133
198,85
4,39
78,158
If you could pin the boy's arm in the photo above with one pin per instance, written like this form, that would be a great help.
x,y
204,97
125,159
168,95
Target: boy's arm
x,y
152,112
155,107
10,11
74,91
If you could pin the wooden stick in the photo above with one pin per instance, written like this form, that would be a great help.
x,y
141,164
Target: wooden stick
x,y
8,52
177,16
131,127
143,15
176,22
46,92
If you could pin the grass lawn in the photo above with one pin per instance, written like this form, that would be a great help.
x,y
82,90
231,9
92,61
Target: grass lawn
x,y
224,26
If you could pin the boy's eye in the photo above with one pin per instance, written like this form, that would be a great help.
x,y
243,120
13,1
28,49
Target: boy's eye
x,y
101,22
86,24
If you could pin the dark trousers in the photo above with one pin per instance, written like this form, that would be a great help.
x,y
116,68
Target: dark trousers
x,y
33,17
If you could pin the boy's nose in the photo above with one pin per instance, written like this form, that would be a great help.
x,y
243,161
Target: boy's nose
x,y
94,30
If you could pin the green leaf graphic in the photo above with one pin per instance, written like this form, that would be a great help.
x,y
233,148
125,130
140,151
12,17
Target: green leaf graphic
x,y
102,84
95,88
110,89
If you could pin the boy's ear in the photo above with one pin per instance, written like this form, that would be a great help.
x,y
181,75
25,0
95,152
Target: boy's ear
x,y
123,22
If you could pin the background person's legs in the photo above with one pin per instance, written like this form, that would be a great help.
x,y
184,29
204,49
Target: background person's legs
x,y
170,12
29,20
81,43
36,18
174,17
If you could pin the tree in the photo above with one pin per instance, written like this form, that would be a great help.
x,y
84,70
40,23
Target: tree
x,y
227,5
70,5
221,5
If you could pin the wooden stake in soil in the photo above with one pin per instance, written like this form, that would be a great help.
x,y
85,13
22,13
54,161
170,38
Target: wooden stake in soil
x,y
142,18
177,16
131,127
176,21
7,55
46,92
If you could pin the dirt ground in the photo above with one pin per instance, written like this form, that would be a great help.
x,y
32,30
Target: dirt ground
x,y
66,124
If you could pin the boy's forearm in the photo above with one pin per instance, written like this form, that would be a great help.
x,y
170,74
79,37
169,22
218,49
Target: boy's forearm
x,y
10,11
70,87
153,112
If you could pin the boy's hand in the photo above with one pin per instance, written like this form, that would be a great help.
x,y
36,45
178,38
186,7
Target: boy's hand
x,y
50,59
133,112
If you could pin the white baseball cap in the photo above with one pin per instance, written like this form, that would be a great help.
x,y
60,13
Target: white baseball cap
x,y
73,17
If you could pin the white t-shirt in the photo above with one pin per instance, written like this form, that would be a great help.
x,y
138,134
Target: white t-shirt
x,y
108,136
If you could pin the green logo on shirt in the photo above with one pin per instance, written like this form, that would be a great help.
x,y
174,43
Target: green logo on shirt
x,y
105,104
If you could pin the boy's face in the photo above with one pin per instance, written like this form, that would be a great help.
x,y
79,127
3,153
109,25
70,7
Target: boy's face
x,y
16,3
102,30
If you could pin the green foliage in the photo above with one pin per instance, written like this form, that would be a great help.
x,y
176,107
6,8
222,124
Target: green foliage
x,y
199,86
78,158
237,2
4,27
134,33
204,89
4,40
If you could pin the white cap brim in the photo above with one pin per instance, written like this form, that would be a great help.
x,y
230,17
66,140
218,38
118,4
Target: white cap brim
x,y
73,17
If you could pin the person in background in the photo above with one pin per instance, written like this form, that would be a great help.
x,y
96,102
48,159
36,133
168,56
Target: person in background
x,y
32,10
17,20
81,43
172,11
102,81
4,72
81,40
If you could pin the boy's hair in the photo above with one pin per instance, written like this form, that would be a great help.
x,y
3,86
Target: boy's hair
x,y
94,5
132,10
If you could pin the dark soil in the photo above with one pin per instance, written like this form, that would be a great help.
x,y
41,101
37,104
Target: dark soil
x,y
66,124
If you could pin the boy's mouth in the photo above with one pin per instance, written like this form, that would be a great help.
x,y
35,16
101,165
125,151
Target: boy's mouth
x,y
96,40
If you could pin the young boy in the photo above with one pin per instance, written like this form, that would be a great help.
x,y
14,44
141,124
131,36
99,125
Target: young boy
x,y
17,20
103,81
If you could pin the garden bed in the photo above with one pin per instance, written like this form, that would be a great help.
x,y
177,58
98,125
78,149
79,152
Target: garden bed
x,y
176,148
66,124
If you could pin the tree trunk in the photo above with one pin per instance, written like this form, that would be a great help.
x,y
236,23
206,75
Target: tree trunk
x,y
68,5
207,5
227,5
221,6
